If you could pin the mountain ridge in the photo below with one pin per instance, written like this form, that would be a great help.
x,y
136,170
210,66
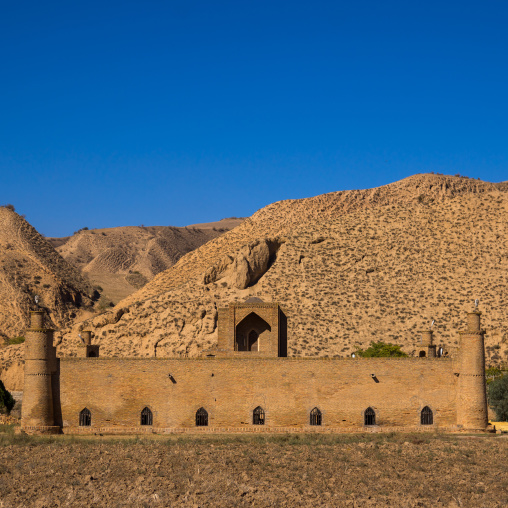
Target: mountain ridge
x,y
122,259
30,266
345,265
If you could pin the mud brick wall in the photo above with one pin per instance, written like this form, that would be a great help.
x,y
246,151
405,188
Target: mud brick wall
x,y
116,390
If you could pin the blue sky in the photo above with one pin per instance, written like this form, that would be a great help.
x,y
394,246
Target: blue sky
x,y
177,112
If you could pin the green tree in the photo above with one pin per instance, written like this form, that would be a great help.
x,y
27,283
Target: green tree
x,y
492,373
381,349
498,397
6,400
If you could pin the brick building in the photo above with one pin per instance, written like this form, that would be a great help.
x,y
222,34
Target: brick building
x,y
247,383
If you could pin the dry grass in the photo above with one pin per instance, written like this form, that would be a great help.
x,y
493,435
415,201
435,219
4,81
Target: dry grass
x,y
293,470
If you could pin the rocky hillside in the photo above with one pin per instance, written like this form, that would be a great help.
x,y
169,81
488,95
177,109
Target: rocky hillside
x,y
121,260
348,267
29,266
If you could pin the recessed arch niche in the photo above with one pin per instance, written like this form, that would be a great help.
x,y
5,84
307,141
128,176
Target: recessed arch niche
x,y
250,332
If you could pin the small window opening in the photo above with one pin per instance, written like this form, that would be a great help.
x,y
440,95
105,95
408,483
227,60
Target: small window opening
x,y
201,417
146,416
422,354
258,416
92,354
370,416
316,417
85,418
426,416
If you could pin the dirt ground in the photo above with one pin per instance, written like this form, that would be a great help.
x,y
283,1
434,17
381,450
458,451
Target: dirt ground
x,y
291,470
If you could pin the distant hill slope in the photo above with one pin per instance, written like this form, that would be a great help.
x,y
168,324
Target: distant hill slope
x,y
29,265
123,259
349,267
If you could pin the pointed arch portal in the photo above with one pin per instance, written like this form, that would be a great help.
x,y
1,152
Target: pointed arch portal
x,y
249,332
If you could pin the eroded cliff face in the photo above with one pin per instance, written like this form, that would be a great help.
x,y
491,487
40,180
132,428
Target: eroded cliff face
x,y
348,268
30,266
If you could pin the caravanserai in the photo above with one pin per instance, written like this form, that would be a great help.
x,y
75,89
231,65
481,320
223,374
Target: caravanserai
x,y
247,383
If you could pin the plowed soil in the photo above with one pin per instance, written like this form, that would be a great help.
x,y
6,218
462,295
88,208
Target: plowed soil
x,y
293,470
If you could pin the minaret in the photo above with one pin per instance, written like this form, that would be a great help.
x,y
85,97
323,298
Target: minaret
x,y
472,397
40,363
88,350
428,343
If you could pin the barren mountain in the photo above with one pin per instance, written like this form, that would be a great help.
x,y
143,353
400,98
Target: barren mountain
x,y
348,268
30,266
123,259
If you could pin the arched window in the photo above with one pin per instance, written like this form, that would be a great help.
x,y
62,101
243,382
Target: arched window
x,y
422,354
315,417
201,417
369,416
146,416
258,416
426,416
85,418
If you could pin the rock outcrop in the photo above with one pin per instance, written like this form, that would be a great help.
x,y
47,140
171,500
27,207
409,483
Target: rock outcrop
x,y
246,267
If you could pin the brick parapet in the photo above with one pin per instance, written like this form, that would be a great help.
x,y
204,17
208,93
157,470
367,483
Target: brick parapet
x,y
247,357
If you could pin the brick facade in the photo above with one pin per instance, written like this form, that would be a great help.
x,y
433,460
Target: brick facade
x,y
230,383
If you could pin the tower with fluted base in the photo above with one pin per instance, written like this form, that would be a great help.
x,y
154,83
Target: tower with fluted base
x,y
37,414
472,397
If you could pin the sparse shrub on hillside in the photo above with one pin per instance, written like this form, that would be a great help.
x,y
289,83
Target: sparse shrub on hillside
x,y
492,373
16,340
9,207
6,400
381,349
498,397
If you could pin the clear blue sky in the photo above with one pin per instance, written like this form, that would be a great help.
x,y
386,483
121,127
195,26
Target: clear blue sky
x,y
118,113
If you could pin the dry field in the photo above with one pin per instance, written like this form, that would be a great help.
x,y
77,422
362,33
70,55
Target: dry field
x,y
289,470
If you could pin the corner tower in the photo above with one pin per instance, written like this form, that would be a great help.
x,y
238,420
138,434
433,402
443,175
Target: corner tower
x,y
472,397
40,364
